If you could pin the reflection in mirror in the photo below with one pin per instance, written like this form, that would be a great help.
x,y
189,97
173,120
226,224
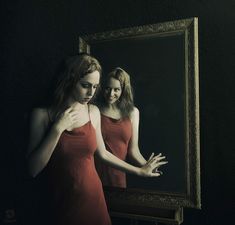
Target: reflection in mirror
x,y
119,126
159,91
163,62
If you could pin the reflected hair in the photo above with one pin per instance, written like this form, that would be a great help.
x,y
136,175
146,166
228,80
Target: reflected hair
x,y
126,102
73,69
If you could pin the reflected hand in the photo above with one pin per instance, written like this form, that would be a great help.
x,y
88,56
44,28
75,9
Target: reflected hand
x,y
150,169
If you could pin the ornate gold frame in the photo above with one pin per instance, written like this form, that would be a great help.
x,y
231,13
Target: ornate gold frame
x,y
148,204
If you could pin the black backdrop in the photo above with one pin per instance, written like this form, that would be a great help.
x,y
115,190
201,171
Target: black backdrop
x,y
36,35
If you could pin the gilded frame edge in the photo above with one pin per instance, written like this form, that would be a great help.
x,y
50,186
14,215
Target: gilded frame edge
x,y
189,27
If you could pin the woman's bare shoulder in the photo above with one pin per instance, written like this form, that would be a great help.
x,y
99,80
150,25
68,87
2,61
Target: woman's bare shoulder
x,y
41,112
94,109
134,116
135,109
135,112
95,115
39,115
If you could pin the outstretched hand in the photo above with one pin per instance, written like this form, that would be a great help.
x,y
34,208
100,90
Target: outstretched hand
x,y
150,169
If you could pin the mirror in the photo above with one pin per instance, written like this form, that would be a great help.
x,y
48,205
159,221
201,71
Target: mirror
x,y
162,60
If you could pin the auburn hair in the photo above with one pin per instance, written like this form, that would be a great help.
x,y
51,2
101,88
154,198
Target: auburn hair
x,y
74,68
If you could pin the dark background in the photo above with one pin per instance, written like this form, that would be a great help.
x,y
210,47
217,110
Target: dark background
x,y
36,35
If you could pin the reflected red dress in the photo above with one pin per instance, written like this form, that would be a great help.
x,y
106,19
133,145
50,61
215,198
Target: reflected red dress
x,y
77,192
116,135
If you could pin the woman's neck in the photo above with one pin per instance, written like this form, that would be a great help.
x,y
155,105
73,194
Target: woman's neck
x,y
112,107
75,104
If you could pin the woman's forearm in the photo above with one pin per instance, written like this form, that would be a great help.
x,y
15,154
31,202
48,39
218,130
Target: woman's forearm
x,y
137,157
119,164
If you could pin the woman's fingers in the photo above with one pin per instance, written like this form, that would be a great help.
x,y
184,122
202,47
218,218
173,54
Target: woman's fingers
x,y
151,156
158,154
71,110
162,163
160,158
156,165
156,159
159,171
153,163
155,174
75,116
68,110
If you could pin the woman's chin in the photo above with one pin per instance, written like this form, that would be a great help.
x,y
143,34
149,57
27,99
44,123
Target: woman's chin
x,y
85,101
111,101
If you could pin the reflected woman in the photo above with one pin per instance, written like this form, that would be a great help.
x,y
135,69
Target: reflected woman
x,y
63,139
119,126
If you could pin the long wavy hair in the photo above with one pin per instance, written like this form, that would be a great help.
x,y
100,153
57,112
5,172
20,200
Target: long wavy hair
x,y
73,69
126,101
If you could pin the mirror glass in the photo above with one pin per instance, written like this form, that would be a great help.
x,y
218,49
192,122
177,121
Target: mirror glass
x,y
162,60
156,68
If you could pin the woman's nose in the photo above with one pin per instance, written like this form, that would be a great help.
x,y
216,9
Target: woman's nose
x,y
90,92
111,92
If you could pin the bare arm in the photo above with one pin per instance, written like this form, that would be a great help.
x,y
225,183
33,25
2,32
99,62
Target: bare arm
x,y
41,146
133,148
117,163
42,141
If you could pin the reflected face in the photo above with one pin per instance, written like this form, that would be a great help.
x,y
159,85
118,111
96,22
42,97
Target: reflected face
x,y
86,87
113,90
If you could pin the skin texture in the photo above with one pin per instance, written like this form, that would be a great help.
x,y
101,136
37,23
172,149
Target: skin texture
x,y
43,141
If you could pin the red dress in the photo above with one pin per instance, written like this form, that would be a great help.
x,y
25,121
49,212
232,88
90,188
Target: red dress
x,y
116,135
77,192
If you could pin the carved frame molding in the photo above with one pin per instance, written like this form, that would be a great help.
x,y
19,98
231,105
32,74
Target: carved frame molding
x,y
192,199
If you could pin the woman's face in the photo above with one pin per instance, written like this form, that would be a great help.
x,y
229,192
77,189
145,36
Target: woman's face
x,y
86,87
113,90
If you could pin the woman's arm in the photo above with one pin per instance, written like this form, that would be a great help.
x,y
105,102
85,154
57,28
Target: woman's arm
x,y
110,159
41,146
133,148
42,141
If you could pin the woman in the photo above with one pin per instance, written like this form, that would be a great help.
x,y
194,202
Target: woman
x,y
119,126
63,139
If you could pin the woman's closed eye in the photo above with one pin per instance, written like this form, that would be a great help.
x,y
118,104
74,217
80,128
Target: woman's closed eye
x,y
85,85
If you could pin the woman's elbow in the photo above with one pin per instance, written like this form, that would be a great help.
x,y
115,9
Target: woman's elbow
x,y
34,168
32,174
32,171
